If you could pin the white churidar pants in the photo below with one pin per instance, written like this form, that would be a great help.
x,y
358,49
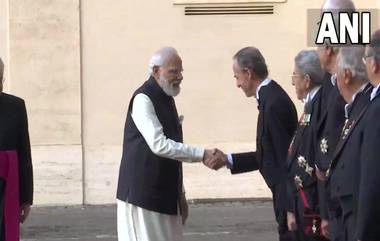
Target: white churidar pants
x,y
138,224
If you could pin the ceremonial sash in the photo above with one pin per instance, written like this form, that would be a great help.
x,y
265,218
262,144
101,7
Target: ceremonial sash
x,y
9,172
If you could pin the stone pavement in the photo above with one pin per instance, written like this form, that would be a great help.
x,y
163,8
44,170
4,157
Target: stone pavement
x,y
220,221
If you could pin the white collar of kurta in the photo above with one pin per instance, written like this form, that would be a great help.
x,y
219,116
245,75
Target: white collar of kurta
x,y
310,96
262,84
348,105
374,91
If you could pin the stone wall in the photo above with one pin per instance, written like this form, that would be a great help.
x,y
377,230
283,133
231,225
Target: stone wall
x,y
45,70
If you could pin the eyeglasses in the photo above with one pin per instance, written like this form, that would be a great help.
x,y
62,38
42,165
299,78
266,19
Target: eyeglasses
x,y
296,75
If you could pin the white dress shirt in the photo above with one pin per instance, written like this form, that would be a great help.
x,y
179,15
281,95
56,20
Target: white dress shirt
x,y
146,121
374,91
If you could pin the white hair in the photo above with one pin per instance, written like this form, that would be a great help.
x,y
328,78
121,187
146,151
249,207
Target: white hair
x,y
351,58
160,57
307,62
342,5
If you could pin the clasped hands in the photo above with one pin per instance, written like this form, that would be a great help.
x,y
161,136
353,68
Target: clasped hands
x,y
214,159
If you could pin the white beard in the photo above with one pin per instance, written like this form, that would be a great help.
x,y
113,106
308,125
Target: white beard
x,y
169,89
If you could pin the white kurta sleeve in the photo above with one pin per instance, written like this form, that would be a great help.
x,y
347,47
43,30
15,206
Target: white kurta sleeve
x,y
146,121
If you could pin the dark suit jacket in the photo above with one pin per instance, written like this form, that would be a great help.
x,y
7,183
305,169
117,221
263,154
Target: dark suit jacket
x,y
368,218
14,135
276,124
328,129
330,123
303,145
344,178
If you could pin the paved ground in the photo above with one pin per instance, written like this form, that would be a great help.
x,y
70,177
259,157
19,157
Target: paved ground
x,y
232,221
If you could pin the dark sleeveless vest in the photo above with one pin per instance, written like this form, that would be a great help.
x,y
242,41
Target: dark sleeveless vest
x,y
145,179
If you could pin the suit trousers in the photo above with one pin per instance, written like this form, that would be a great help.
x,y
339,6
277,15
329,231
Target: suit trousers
x,y
348,227
279,195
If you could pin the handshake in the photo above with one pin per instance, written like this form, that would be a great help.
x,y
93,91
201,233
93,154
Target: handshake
x,y
214,159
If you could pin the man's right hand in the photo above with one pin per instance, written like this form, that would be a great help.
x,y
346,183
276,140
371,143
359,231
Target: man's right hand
x,y
292,224
24,212
325,228
214,159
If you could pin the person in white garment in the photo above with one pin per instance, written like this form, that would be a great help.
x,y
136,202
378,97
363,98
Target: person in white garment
x,y
151,202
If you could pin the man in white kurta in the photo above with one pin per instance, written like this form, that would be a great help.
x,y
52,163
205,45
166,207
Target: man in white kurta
x,y
140,224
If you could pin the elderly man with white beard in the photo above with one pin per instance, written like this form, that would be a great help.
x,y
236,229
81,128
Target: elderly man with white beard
x,y
151,200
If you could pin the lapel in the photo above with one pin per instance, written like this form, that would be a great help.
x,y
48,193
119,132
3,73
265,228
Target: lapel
x,y
365,94
264,92
297,139
342,141
261,119
327,93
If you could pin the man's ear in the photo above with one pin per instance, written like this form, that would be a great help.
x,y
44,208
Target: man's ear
x,y
347,74
307,80
248,72
156,70
374,66
251,73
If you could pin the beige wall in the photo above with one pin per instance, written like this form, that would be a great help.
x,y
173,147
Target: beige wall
x,y
378,9
44,66
76,63
117,45
4,36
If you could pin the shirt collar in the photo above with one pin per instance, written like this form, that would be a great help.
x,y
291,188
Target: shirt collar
x,y
262,84
333,79
347,106
310,96
374,92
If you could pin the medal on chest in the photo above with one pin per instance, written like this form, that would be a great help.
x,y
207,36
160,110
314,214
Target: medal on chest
x,y
347,128
302,163
305,119
324,146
